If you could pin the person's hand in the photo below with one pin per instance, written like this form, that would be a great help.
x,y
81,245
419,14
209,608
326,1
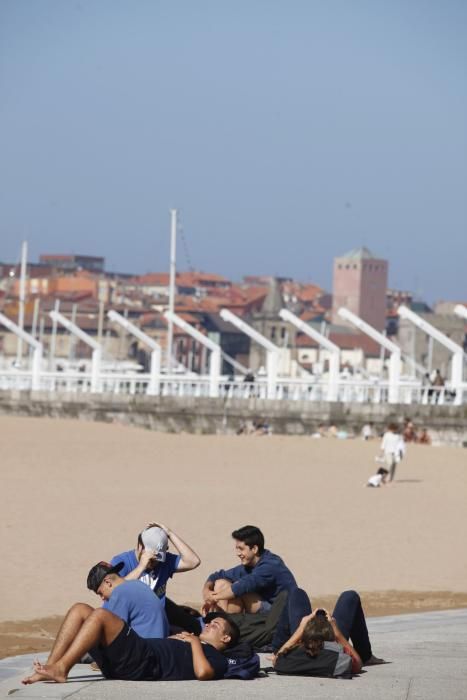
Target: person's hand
x,y
148,557
223,592
209,607
283,651
208,596
186,637
162,527
307,618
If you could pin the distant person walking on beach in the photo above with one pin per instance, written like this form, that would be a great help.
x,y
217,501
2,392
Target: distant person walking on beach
x,y
392,449
151,563
253,585
378,479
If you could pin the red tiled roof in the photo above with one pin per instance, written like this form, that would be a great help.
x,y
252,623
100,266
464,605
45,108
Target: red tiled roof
x,y
304,292
157,279
195,279
189,318
309,292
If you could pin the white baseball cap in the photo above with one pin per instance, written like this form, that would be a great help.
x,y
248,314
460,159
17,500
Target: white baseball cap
x,y
156,539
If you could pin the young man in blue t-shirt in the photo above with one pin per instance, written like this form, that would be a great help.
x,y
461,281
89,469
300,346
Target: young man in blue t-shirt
x,y
132,601
151,563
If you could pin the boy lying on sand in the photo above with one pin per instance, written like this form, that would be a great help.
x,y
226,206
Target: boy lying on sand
x,y
122,654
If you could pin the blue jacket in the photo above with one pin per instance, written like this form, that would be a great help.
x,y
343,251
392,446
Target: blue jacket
x,y
268,578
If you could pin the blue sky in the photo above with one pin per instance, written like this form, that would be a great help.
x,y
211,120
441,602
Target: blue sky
x,y
284,132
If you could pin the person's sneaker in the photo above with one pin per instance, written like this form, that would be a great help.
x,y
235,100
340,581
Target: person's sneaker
x,y
374,661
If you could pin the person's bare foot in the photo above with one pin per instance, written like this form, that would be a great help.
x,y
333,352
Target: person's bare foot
x,y
33,678
374,661
52,672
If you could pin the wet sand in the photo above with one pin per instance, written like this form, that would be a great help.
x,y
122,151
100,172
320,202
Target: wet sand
x,y
74,493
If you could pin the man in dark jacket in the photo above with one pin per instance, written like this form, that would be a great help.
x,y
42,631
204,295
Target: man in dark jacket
x,y
252,586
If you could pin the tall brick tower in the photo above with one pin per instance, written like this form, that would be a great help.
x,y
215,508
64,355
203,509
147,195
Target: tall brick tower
x,y
360,282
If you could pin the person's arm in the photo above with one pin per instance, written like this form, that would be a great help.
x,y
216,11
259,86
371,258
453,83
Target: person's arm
x,y
383,443
201,666
207,593
210,602
263,575
296,637
138,571
294,640
188,558
223,592
228,574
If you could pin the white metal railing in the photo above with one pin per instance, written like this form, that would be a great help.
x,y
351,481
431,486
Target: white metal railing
x,y
350,390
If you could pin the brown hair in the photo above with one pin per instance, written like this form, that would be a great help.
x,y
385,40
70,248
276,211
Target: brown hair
x,y
317,631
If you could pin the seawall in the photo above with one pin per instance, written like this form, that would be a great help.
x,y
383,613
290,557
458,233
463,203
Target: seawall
x,y
447,425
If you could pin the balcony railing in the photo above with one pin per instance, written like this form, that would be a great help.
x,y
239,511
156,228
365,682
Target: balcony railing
x,y
314,390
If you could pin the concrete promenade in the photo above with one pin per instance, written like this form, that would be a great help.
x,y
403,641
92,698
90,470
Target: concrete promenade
x,y
427,651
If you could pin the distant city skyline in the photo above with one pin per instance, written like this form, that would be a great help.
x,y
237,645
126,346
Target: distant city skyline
x,y
285,134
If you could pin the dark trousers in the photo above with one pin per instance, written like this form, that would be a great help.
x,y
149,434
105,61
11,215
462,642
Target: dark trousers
x,y
392,469
348,614
350,619
297,606
178,617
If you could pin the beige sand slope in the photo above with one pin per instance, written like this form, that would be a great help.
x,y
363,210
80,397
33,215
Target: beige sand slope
x,y
74,493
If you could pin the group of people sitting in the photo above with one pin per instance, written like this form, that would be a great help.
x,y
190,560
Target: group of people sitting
x,y
140,634
411,434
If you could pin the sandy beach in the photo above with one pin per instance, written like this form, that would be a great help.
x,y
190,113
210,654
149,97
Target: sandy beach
x,y
74,493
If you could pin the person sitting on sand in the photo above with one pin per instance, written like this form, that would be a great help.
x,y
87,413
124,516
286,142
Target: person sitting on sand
x,y
424,438
409,433
151,563
253,585
367,432
319,644
378,479
132,601
122,654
